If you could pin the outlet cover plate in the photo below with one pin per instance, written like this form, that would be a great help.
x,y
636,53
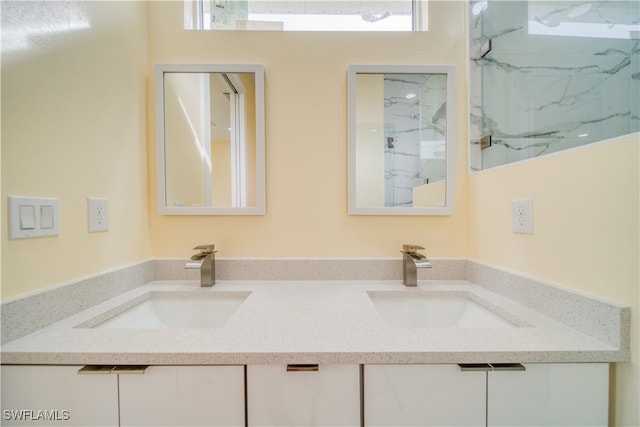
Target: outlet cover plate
x,y
522,215
98,210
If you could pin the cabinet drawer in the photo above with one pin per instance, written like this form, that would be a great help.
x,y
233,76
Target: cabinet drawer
x,y
557,394
183,396
57,396
303,395
423,395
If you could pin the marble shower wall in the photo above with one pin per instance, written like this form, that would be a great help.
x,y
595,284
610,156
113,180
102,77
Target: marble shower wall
x,y
559,75
415,154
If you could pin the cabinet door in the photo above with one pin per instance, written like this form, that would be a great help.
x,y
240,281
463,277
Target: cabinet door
x,y
423,395
279,395
57,396
183,396
571,394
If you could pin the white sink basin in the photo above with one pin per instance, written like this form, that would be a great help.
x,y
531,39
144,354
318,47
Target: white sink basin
x,y
414,309
191,309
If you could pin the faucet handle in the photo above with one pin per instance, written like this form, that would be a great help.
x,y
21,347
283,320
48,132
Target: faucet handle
x,y
411,248
207,249
204,251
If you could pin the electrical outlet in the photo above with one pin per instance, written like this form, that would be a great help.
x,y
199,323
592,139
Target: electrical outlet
x,y
522,215
98,214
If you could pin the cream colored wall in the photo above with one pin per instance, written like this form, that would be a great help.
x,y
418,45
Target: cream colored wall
x,y
249,84
221,172
586,215
370,145
73,126
185,137
432,194
306,137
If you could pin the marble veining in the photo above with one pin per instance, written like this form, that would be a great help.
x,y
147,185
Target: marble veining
x,y
557,77
415,132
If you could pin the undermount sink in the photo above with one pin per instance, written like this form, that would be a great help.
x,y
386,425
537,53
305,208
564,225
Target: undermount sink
x,y
167,309
417,309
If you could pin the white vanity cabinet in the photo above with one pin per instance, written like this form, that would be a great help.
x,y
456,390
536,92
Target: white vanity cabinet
x,y
57,396
303,395
571,394
553,394
183,396
423,395
123,396
560,394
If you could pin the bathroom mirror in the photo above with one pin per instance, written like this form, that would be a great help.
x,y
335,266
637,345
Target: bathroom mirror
x,y
210,149
401,139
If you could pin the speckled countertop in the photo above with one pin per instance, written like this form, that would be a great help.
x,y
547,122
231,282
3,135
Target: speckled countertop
x,y
310,322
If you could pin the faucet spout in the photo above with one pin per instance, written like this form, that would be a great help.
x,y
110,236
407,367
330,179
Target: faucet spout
x,y
411,261
205,261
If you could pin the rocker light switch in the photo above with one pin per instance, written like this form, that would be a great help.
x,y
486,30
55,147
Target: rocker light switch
x,y
27,217
46,217
32,217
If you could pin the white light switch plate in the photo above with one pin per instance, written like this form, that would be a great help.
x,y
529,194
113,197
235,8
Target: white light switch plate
x,y
98,210
32,217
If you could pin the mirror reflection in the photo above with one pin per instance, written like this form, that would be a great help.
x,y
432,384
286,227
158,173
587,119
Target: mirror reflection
x,y
210,127
400,143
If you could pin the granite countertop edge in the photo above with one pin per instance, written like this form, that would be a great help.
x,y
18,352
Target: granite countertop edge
x,y
323,322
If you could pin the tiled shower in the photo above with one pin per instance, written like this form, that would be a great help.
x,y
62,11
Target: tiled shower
x,y
550,75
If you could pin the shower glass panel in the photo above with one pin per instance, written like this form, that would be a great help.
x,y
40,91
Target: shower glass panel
x,y
389,162
414,130
547,76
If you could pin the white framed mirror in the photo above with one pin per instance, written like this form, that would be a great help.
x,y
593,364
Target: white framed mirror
x,y
210,144
401,121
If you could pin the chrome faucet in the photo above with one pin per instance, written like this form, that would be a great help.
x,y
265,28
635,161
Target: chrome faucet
x,y
205,260
411,261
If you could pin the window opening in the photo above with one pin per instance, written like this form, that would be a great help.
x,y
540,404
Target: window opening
x,y
306,15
